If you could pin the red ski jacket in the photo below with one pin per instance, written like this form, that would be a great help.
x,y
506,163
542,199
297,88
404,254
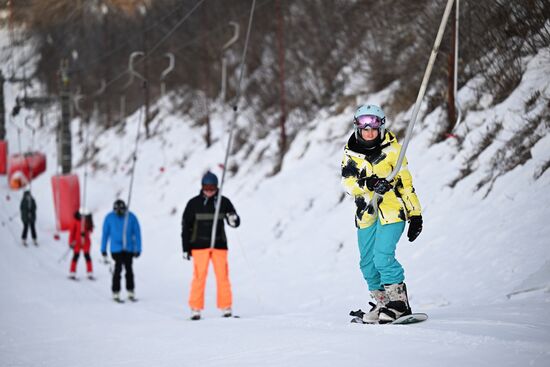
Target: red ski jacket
x,y
75,237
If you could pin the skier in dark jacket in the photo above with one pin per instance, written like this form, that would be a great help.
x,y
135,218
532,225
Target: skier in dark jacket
x,y
196,233
28,216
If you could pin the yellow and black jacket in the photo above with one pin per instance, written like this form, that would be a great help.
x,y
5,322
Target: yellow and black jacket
x,y
359,163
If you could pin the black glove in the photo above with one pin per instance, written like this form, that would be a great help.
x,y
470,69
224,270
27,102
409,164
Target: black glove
x,y
186,255
378,185
415,227
104,254
136,254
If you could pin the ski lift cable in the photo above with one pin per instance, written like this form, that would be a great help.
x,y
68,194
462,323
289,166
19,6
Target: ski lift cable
x,y
372,207
214,30
232,126
156,24
158,44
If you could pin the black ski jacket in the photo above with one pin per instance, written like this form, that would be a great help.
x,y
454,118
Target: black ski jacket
x,y
198,219
28,208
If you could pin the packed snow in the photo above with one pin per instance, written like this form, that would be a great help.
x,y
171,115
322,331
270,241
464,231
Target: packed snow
x,y
480,269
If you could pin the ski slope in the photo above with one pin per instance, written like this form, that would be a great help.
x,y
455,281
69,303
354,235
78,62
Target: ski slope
x,y
293,262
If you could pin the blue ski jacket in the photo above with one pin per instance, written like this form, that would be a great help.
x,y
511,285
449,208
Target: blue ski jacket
x,y
112,230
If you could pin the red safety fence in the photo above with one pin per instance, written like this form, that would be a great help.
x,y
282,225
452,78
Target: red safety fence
x,y
3,157
66,198
22,168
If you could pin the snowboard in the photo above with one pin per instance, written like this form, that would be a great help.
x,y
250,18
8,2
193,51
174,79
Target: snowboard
x,y
403,320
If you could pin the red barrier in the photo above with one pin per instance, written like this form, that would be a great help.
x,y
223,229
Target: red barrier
x,y
66,199
3,157
22,168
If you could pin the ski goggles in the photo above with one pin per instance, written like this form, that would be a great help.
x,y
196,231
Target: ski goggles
x,y
209,188
368,121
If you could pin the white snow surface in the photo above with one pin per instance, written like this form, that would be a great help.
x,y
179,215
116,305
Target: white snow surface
x,y
293,261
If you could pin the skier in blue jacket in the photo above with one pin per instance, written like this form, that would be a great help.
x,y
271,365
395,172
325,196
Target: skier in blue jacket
x,y
123,250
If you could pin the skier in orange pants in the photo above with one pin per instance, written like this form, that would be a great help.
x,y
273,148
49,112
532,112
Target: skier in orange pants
x,y
197,223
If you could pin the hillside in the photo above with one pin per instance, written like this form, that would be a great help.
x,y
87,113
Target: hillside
x,y
294,261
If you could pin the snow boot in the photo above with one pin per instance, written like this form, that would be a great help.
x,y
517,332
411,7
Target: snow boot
x,y
35,242
24,242
226,312
195,314
116,297
72,275
398,303
372,316
132,296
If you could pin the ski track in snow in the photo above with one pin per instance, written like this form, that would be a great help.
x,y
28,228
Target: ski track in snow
x,y
293,262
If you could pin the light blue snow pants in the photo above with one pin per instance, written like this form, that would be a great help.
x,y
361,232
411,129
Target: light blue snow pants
x,y
377,245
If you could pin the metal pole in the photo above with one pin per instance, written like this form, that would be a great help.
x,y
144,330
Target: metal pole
x,y
457,103
168,70
372,207
231,128
64,147
2,108
234,38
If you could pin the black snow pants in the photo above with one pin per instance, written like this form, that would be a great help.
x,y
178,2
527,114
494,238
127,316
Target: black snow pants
x,y
123,259
26,226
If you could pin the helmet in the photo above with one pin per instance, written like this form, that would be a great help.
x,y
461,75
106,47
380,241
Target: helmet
x,y
377,121
119,207
209,179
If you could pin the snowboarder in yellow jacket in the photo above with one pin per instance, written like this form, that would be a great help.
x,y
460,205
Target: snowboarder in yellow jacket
x,y
369,157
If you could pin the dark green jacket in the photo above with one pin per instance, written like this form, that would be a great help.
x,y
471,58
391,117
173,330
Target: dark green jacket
x,y
28,208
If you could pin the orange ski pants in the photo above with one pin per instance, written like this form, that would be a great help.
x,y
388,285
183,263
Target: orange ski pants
x,y
201,260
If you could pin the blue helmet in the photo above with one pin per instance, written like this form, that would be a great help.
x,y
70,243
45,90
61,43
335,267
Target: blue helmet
x,y
209,179
379,116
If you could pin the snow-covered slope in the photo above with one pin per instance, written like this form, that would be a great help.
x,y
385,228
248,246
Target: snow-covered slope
x,y
293,261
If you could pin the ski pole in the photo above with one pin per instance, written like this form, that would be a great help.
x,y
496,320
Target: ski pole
x,y
64,255
108,263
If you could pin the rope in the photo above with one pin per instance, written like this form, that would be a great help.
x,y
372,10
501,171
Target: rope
x,y
232,127
158,44
158,23
372,207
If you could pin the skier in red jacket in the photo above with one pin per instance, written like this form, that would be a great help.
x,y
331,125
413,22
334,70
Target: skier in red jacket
x,y
79,240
